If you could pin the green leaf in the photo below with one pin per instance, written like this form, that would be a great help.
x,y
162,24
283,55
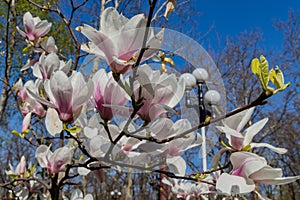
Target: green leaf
x,y
260,67
247,148
74,129
264,72
16,133
277,78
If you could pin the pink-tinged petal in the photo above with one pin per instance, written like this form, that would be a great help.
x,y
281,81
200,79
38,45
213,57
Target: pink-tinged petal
x,y
177,165
21,32
62,91
275,149
246,163
53,123
253,130
26,122
232,185
232,134
22,165
42,154
60,158
236,142
28,22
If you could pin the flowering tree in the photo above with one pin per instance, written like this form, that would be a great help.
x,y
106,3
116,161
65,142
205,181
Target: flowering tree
x,y
121,117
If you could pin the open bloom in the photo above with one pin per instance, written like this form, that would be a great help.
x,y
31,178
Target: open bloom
x,y
159,91
27,104
240,139
248,169
47,65
35,28
108,95
66,98
120,40
54,162
187,190
66,94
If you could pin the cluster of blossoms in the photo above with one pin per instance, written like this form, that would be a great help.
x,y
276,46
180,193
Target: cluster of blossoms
x,y
146,139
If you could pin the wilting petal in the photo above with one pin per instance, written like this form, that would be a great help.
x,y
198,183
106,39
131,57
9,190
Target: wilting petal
x,y
232,185
53,123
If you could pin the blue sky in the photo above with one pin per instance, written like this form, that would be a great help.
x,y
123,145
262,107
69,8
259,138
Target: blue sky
x,y
234,16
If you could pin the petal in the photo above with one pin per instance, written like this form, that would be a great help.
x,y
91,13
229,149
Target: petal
x,y
232,185
83,171
111,21
246,163
253,130
53,123
177,165
26,122
275,149
60,158
62,92
239,120
42,28
41,154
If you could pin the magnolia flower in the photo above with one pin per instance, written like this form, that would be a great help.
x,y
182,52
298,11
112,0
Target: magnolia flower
x,y
171,151
47,65
100,142
186,190
29,105
20,169
66,96
159,92
120,40
240,139
28,189
54,162
35,28
248,169
49,46
108,94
